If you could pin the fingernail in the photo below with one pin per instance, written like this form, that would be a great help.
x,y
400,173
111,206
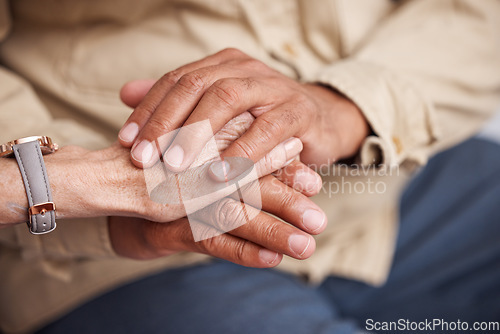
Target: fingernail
x,y
268,256
299,243
305,181
220,170
313,220
143,152
174,156
129,132
292,146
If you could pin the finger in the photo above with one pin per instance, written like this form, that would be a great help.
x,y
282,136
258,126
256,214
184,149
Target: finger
x,y
171,113
132,94
222,101
268,130
273,196
148,104
134,91
177,236
300,177
246,222
277,158
195,190
291,206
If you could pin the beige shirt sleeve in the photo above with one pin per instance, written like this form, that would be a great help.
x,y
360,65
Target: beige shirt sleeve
x,y
425,78
31,118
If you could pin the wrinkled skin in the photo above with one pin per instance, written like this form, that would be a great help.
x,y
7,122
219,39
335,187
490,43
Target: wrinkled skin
x,y
259,242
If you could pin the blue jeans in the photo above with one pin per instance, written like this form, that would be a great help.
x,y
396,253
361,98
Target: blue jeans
x,y
446,266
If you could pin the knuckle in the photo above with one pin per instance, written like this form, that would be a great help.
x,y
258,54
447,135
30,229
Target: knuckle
x,y
207,245
193,81
157,127
287,200
228,213
225,91
248,83
219,245
254,64
239,251
244,149
272,232
146,107
171,78
215,246
303,102
232,52
291,118
269,128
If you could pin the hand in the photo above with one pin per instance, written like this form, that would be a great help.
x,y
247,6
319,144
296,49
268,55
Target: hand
x,y
98,183
104,183
298,176
260,242
225,85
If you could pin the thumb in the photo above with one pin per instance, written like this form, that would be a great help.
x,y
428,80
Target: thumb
x,y
134,91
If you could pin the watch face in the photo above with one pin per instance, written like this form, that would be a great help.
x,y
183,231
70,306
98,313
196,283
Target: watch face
x,y
46,145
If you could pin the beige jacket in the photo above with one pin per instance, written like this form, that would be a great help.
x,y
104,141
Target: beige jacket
x,y
426,74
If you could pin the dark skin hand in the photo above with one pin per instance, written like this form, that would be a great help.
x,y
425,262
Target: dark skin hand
x,y
226,84
218,88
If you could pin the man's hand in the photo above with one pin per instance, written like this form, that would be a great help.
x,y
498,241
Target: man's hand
x,y
225,85
259,243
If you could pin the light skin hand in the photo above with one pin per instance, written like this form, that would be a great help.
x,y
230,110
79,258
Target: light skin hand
x,y
103,183
98,183
227,84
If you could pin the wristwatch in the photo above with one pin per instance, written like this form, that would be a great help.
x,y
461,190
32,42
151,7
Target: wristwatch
x,y
29,153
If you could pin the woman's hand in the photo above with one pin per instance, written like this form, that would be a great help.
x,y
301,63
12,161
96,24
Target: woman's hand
x,y
105,183
99,183
224,85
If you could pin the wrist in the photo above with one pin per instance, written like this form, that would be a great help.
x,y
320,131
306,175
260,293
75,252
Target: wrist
x,y
342,117
14,197
88,184
84,184
72,180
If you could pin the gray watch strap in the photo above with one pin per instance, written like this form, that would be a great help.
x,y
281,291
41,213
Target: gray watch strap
x,y
42,217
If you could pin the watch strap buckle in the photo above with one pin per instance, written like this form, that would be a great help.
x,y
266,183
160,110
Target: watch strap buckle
x,y
45,224
41,208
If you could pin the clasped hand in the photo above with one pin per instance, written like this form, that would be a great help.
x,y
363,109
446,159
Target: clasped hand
x,y
277,117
